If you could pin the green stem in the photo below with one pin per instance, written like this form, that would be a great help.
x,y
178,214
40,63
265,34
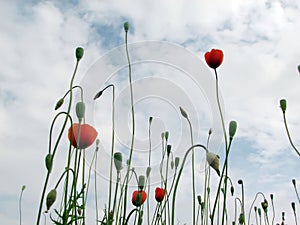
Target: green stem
x,y
133,122
249,214
20,201
178,178
289,136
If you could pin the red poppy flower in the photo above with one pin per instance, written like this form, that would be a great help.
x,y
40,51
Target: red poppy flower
x,y
214,58
159,194
138,198
87,136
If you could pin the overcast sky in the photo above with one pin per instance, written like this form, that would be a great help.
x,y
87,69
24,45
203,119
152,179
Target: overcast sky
x,y
260,41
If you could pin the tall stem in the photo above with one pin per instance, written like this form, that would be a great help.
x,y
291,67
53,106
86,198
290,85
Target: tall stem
x,y
289,136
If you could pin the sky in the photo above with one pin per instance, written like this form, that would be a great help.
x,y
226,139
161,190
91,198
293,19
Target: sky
x,y
167,40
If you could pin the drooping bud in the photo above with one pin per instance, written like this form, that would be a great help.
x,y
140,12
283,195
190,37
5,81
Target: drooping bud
x,y
59,103
79,53
118,161
283,105
183,113
240,181
265,205
232,128
141,182
126,26
213,160
51,197
177,162
49,162
80,110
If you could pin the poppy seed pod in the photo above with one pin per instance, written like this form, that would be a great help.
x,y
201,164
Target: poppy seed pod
x,y
283,105
118,161
214,58
214,161
48,162
80,110
232,128
126,26
51,197
79,53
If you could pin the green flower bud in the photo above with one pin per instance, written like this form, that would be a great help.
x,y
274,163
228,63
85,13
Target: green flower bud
x,y
169,147
148,171
294,182
183,113
51,197
283,105
97,142
232,129
118,161
141,182
150,119
214,161
272,197
177,162
259,212
172,164
199,199
208,190
265,205
255,208
59,103
240,181
162,135
126,26
299,68
80,110
241,218
167,135
49,162
23,187
79,53
293,206
232,190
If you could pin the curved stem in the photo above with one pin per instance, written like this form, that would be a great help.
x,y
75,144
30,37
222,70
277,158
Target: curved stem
x,y
289,136
179,175
253,204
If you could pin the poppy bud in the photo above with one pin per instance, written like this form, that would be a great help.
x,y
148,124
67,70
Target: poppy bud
x,y
255,208
150,119
294,182
169,149
299,68
126,26
148,171
177,162
264,205
162,135
118,161
159,194
214,58
213,161
240,181
51,197
199,199
283,105
183,113
141,182
23,187
293,206
59,103
80,110
232,129
48,162
232,190
208,190
210,131
172,164
259,211
272,197
138,198
241,218
79,53
167,135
